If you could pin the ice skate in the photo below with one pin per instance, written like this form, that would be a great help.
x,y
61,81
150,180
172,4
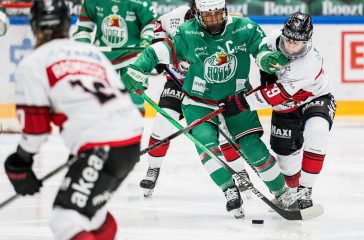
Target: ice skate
x,y
305,200
149,182
288,200
234,202
242,188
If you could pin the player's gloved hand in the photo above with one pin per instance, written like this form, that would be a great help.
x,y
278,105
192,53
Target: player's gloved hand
x,y
144,43
134,80
271,62
160,67
234,104
4,23
18,168
267,78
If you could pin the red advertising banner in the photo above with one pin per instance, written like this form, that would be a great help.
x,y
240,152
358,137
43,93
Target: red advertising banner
x,y
352,57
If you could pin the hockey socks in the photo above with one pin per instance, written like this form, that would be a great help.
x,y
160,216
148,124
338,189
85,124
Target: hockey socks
x,y
106,231
221,176
157,155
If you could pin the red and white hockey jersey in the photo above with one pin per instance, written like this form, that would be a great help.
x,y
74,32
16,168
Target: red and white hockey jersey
x,y
167,25
300,81
74,86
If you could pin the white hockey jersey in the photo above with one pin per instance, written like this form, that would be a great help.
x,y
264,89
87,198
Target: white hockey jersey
x,y
300,81
74,86
167,25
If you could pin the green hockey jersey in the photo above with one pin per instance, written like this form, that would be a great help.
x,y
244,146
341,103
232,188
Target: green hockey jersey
x,y
119,24
219,65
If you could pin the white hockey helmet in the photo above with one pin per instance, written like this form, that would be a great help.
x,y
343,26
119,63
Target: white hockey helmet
x,y
212,15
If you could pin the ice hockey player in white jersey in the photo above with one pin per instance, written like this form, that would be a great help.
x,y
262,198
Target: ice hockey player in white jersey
x,y
74,86
171,99
303,107
4,23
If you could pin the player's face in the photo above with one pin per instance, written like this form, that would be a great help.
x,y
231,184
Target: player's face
x,y
292,46
213,18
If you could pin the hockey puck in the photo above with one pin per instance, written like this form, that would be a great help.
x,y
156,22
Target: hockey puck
x,y
257,221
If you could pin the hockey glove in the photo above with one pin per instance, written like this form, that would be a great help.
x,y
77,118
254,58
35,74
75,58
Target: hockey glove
x,y
134,79
267,78
18,168
234,105
160,67
271,62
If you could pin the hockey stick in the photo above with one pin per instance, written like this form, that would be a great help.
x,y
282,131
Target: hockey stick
x,y
183,130
230,141
304,214
69,162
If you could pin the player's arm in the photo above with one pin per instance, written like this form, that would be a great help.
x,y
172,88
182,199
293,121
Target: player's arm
x,y
263,97
4,23
147,17
86,22
268,61
165,52
269,96
33,113
276,93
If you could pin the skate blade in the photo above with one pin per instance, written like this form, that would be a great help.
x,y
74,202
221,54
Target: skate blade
x,y
148,192
312,212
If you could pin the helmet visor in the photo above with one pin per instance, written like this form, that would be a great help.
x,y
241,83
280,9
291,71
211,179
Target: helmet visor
x,y
293,48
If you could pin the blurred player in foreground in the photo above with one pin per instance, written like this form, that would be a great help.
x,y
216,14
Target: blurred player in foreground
x,y
74,86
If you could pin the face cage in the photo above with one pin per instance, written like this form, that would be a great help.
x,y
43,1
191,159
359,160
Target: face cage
x,y
213,27
303,51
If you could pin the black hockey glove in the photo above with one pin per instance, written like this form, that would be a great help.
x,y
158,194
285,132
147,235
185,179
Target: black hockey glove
x,y
18,167
235,104
160,67
267,78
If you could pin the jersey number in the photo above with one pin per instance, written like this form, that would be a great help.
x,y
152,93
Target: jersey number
x,y
98,91
273,92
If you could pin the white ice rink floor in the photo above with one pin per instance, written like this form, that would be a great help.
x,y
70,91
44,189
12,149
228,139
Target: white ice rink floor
x,y
187,205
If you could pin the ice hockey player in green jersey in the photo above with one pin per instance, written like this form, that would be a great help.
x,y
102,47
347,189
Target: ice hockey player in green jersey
x,y
119,25
218,48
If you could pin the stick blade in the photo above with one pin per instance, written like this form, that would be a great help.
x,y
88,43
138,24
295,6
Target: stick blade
x,y
312,212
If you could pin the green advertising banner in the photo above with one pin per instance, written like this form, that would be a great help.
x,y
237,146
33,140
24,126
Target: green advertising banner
x,y
246,7
280,7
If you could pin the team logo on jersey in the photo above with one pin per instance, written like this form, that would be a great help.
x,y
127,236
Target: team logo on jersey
x,y
220,67
114,30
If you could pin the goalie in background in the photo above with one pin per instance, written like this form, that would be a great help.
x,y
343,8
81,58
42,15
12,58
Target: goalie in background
x,y
74,86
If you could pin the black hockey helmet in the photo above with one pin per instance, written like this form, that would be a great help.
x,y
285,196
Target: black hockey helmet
x,y
298,27
49,15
